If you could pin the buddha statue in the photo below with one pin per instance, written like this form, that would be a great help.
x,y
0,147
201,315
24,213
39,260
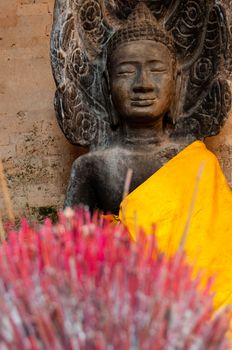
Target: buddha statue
x,y
142,83
141,87
136,84
141,77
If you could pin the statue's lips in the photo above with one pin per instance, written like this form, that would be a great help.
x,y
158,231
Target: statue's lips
x,y
142,102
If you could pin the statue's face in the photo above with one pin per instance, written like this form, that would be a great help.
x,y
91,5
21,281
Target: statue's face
x,y
142,81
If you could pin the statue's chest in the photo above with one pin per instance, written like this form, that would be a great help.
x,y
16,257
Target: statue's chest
x,y
112,173
142,165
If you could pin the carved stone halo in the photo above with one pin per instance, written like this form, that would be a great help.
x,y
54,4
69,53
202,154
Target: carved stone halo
x,y
81,32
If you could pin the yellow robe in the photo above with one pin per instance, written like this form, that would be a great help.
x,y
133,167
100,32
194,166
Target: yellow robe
x,y
190,202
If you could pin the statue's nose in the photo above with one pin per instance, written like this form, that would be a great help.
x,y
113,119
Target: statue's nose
x,y
143,82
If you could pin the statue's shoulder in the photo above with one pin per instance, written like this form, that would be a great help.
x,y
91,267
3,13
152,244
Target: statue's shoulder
x,y
98,157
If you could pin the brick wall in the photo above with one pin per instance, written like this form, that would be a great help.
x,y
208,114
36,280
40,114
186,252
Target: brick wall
x,y
37,158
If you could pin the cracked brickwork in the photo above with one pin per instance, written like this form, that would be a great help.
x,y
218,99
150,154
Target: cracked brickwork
x,y
37,158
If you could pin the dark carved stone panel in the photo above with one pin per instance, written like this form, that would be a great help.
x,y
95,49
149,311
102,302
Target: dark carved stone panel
x,y
207,100
78,36
187,24
210,115
206,66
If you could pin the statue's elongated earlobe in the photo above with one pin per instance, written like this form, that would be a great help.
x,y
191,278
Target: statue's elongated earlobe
x,y
114,121
177,99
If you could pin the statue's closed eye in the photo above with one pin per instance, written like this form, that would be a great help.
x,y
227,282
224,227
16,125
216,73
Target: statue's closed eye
x,y
156,68
126,72
125,69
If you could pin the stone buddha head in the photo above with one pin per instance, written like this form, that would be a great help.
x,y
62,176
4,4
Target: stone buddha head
x,y
142,71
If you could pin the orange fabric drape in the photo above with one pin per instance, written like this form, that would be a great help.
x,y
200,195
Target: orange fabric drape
x,y
189,201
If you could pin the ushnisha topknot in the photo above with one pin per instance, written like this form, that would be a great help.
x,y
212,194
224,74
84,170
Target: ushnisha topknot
x,y
140,25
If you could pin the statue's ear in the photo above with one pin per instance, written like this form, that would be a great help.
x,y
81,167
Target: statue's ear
x,y
114,121
176,105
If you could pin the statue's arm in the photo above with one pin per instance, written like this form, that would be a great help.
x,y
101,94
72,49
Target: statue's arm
x,y
80,188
